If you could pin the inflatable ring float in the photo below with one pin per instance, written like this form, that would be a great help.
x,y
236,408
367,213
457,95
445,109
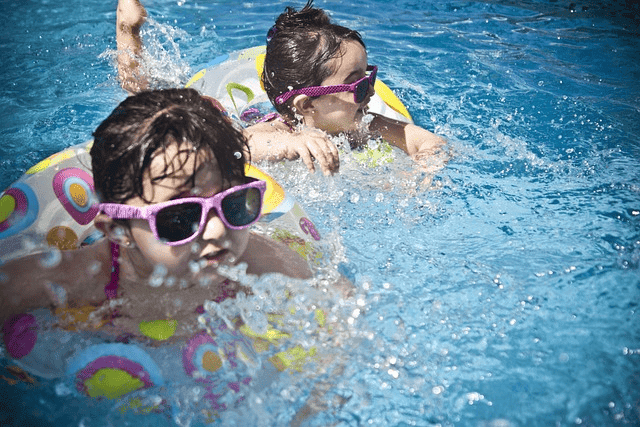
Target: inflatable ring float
x,y
222,359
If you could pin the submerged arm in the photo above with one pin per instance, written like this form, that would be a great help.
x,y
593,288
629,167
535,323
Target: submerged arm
x,y
130,16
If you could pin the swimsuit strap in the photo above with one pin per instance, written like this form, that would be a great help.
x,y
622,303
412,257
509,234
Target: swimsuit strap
x,y
226,292
273,116
111,290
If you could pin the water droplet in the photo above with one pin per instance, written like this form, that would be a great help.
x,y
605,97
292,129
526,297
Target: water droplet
x,y
118,231
57,293
194,266
94,268
62,389
157,276
51,258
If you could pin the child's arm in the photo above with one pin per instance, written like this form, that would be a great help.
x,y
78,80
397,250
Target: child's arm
x,y
414,140
130,16
274,141
44,280
22,287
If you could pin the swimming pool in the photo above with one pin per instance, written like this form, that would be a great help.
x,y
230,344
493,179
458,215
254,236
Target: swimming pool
x,y
504,293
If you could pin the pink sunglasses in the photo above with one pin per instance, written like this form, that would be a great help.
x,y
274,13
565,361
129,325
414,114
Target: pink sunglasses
x,y
180,221
359,88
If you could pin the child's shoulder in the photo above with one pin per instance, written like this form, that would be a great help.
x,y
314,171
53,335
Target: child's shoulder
x,y
265,255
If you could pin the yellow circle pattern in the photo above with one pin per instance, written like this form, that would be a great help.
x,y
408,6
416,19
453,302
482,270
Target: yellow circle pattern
x,y
78,194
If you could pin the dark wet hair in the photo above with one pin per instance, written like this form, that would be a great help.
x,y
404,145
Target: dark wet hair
x,y
124,143
299,46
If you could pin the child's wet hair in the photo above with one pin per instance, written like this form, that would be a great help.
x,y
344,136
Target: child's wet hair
x,y
125,143
299,46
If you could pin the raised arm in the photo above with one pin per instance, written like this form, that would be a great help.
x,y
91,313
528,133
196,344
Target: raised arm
x,y
130,16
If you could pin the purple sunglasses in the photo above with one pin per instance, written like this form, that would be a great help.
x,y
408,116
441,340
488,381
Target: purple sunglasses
x,y
359,88
180,221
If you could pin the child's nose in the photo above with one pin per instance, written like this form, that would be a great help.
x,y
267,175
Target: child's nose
x,y
214,228
370,92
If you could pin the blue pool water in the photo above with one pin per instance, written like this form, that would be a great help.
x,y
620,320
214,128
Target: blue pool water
x,y
503,293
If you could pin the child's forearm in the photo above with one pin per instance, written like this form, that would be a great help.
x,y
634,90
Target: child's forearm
x,y
130,16
274,142
422,142
265,143
423,146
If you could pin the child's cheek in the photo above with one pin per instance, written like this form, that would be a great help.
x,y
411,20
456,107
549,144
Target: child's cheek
x,y
240,239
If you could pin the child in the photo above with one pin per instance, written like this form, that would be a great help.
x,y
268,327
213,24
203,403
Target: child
x,y
169,170
317,74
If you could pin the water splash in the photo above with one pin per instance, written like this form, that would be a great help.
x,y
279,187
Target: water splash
x,y
161,60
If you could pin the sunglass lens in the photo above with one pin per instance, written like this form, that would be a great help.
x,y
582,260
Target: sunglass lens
x,y
178,222
242,207
362,90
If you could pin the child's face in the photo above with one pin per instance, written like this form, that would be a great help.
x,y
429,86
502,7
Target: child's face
x,y
216,244
338,112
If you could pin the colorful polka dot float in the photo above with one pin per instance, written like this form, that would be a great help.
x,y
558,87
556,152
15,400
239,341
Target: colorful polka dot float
x,y
74,189
51,205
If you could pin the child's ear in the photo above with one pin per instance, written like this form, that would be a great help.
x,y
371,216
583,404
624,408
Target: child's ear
x,y
302,104
115,232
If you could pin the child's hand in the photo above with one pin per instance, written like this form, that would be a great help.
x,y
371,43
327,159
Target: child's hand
x,y
274,141
312,145
131,13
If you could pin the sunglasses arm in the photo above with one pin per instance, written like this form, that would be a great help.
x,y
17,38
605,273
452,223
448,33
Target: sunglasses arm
x,y
118,211
287,95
